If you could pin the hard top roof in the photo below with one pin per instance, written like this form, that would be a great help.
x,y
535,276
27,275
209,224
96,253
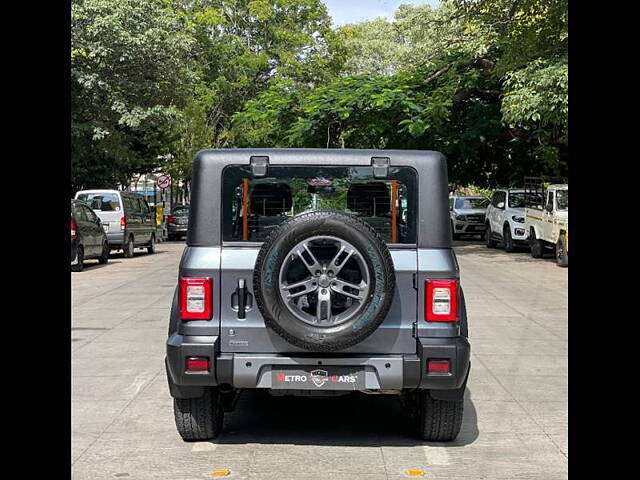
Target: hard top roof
x,y
315,156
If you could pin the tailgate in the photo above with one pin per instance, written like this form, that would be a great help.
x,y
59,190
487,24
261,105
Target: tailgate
x,y
250,335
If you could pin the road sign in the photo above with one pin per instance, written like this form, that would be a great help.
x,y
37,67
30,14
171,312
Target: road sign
x,y
163,181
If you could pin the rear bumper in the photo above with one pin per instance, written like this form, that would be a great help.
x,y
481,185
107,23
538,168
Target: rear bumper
x,y
381,372
176,228
115,239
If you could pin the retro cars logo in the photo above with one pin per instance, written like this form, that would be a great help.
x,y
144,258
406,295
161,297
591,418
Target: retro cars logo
x,y
319,377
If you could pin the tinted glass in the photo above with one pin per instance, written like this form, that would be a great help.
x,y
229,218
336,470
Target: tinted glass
x,y
79,213
143,207
289,191
471,203
517,200
92,217
181,211
562,199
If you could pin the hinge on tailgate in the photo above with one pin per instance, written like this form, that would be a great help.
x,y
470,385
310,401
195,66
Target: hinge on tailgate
x,y
415,281
259,166
380,167
414,329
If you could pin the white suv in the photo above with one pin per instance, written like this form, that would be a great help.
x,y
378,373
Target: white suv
x,y
467,215
505,219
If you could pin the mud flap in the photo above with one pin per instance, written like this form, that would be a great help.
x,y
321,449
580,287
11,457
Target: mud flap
x,y
453,394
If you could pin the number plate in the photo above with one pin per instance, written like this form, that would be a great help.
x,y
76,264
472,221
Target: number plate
x,y
321,378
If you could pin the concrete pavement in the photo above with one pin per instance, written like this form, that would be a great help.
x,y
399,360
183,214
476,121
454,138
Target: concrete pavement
x,y
515,420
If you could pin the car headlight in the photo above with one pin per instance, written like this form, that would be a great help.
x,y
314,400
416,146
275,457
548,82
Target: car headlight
x,y
518,218
462,218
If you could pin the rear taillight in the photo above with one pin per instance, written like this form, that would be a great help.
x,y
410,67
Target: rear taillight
x,y
196,302
197,364
441,301
123,223
438,366
171,220
73,229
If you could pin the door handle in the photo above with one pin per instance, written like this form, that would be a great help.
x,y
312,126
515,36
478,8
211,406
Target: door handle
x,y
242,298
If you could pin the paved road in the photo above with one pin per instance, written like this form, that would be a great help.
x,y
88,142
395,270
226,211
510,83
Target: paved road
x,y
515,421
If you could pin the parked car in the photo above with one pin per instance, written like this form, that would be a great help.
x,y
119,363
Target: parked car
x,y
88,239
547,220
468,215
178,222
126,217
297,281
505,219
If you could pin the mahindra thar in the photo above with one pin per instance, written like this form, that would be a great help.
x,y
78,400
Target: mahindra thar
x,y
318,272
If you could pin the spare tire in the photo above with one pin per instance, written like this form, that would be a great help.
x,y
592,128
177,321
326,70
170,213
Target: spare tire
x,y
324,281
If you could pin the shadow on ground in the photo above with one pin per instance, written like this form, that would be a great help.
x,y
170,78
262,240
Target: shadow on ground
x,y
92,264
136,253
479,249
352,420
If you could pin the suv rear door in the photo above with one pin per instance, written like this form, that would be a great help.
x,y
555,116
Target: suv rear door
x,y
249,213
108,207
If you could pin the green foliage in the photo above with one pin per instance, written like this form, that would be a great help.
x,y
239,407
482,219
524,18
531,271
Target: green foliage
x,y
483,81
130,73
536,98
245,46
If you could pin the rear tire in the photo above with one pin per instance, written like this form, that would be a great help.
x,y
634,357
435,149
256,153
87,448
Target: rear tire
x,y
128,247
199,418
152,245
103,259
507,240
562,257
438,420
487,236
537,247
80,264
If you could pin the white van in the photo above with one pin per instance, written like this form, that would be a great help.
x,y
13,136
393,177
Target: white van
x,y
126,218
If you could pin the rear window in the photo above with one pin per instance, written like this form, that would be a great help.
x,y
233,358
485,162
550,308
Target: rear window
x,y
181,211
101,202
389,205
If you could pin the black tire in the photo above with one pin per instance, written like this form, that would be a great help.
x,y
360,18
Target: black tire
x,y
537,247
507,240
151,248
491,243
438,420
103,259
562,257
199,418
482,236
128,247
80,256
454,235
374,253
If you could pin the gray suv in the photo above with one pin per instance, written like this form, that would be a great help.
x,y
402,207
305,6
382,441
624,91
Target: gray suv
x,y
318,272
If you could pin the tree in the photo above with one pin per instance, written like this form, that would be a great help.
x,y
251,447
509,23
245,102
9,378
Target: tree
x,y
243,46
131,71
